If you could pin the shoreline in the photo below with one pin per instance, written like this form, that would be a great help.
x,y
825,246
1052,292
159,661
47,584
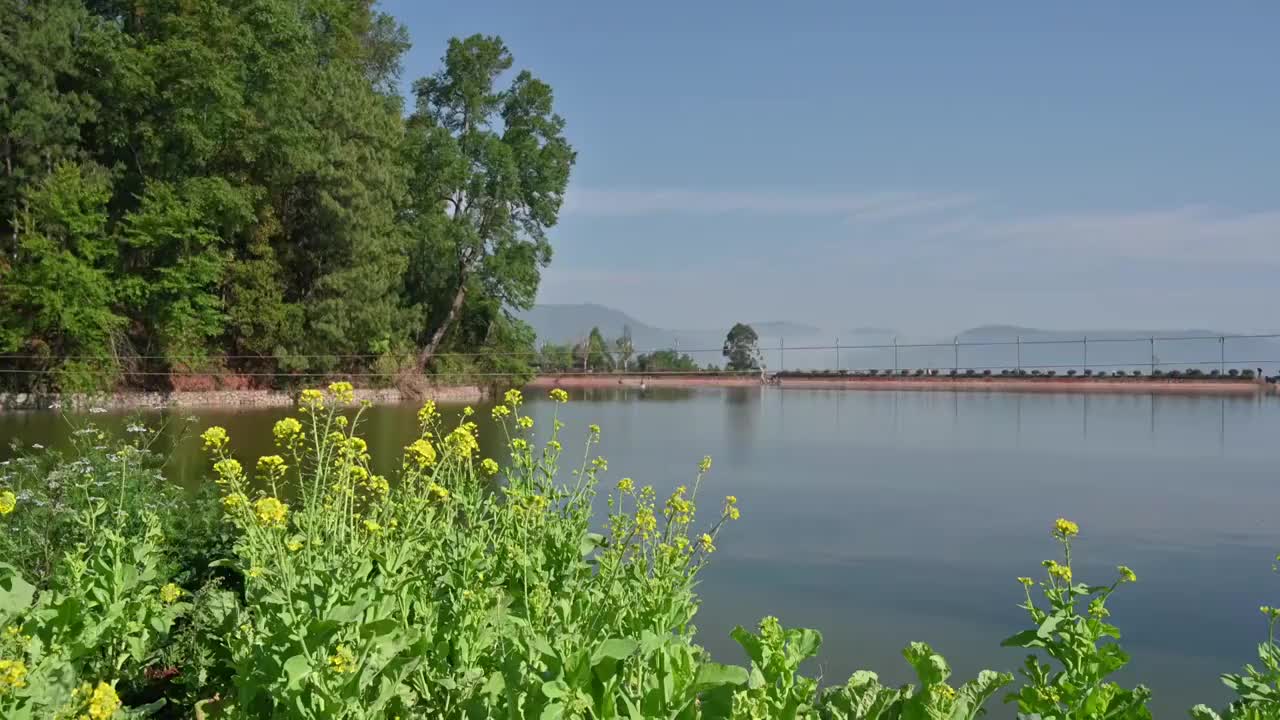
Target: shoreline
x,y
155,400
1132,386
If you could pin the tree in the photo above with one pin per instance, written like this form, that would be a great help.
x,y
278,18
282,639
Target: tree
x,y
623,349
741,349
665,361
489,169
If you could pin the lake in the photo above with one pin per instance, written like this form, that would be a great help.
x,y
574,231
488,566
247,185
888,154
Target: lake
x,y
886,517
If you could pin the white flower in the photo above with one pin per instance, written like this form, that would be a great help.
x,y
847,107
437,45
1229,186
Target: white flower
x,y
97,410
37,446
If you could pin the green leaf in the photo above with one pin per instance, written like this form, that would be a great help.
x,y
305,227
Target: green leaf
x,y
555,689
711,675
296,669
614,649
15,592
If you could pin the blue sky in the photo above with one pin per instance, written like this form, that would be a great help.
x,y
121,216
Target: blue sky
x,y
920,166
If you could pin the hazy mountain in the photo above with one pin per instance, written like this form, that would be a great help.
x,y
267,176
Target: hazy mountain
x,y
784,329
567,324
1056,349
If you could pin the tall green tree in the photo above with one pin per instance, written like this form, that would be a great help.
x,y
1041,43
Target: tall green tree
x,y
489,170
741,348
623,349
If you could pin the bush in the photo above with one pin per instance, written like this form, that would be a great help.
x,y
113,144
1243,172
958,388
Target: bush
x,y
1136,373
986,373
1035,373
1051,373
1215,372
1071,373
1233,372
1088,372
1247,374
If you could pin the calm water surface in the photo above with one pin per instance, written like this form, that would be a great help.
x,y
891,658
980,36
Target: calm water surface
x,y
882,518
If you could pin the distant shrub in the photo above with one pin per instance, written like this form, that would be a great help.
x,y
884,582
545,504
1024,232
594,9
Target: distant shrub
x,y
1247,374
1157,373
1051,373
986,373
1136,373
1088,372
1071,373
904,372
919,372
1175,374
1035,373
1215,373
1233,372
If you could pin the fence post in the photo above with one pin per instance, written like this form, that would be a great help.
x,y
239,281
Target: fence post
x,y
957,346
1019,352
782,353
837,354
1086,354
895,353
1153,356
1222,354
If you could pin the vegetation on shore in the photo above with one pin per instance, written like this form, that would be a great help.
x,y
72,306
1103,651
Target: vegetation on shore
x,y
305,585
206,189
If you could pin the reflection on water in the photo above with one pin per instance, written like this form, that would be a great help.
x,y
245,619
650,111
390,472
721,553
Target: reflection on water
x,y
886,517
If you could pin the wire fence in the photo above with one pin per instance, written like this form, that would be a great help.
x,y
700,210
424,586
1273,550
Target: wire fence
x,y
1207,354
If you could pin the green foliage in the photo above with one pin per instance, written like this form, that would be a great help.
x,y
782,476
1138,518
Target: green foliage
x,y
210,178
666,361
864,697
740,348
489,168
1082,643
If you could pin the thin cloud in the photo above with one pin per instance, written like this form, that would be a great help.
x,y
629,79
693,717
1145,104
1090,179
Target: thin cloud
x,y
1184,234
853,206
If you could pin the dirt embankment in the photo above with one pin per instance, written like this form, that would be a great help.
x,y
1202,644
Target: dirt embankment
x,y
225,398
1139,386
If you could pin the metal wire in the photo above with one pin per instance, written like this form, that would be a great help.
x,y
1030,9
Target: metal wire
x,y
682,351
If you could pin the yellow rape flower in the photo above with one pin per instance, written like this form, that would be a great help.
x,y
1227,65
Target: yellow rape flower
x,y
287,432
1061,572
463,440
437,493
731,507
255,572
270,512
234,500
13,675
1026,581
228,470
342,392
310,401
427,412
372,527
271,467
501,411
513,398
626,486
8,501
559,395
945,691
294,545
343,660
600,464
705,543
554,445
1126,575
705,465
170,593
104,702
646,523
594,429
525,422
1064,528
215,438
421,453
489,466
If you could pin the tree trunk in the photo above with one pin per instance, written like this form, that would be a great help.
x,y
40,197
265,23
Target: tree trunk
x,y
455,308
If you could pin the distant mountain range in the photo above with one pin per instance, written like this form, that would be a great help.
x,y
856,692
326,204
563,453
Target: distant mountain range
x,y
1060,349
568,324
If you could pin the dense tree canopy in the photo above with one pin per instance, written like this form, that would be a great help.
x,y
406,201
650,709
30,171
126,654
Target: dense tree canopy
x,y
741,348
209,186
